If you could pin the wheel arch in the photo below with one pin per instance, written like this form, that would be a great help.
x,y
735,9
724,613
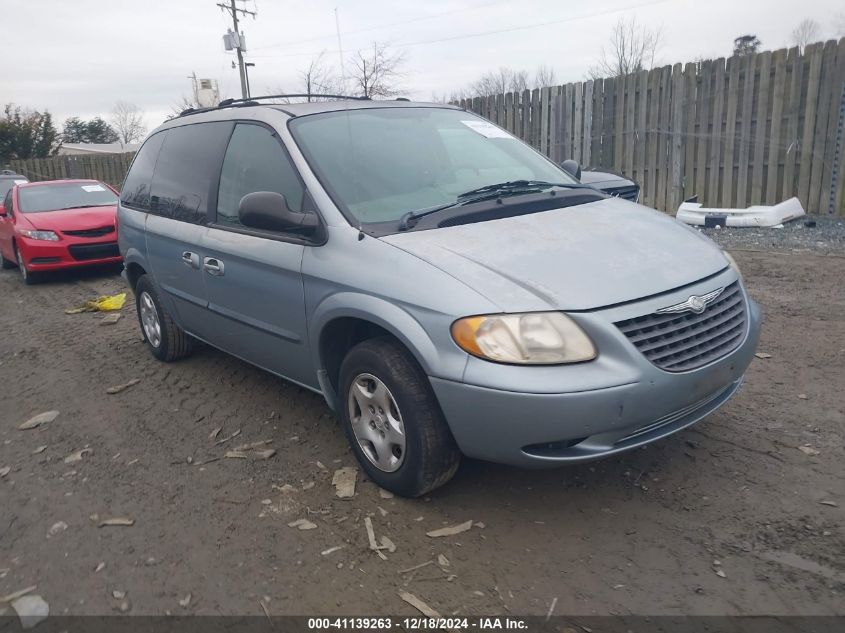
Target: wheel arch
x,y
134,266
134,270
342,322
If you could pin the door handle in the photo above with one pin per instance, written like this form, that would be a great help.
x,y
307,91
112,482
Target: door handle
x,y
191,260
213,266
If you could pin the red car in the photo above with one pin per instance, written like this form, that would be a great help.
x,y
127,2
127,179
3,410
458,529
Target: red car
x,y
58,224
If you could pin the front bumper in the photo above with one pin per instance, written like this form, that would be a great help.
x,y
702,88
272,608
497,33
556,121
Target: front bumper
x,y
43,255
586,422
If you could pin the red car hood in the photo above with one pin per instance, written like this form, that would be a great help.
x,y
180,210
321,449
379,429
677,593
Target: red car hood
x,y
72,219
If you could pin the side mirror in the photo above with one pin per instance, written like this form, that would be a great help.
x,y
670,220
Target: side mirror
x,y
269,211
2,210
572,168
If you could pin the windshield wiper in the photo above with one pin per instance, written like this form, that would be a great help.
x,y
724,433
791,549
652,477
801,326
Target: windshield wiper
x,y
412,216
519,185
508,188
88,206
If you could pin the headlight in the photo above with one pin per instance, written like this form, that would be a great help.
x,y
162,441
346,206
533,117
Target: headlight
x,y
732,263
50,236
536,338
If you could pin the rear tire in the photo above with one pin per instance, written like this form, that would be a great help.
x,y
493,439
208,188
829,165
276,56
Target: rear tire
x,y
29,278
422,457
5,264
165,340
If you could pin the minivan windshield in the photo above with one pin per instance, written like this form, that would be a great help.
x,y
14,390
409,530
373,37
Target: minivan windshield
x,y
66,195
379,164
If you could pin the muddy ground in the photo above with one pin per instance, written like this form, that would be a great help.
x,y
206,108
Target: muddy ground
x,y
639,533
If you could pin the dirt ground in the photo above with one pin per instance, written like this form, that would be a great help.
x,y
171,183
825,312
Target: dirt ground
x,y
641,533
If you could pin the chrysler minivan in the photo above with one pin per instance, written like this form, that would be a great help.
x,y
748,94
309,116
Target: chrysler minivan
x,y
447,289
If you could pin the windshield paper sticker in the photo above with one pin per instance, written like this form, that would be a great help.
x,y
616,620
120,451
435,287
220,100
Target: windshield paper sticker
x,y
486,129
93,188
21,182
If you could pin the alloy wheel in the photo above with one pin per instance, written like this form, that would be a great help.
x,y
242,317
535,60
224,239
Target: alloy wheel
x,y
149,319
376,422
21,264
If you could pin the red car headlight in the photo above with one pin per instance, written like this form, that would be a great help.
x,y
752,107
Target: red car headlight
x,y
48,236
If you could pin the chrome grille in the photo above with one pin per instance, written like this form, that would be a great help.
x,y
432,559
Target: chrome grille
x,y
631,192
681,342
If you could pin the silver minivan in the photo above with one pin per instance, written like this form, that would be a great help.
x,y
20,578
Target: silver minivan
x,y
445,287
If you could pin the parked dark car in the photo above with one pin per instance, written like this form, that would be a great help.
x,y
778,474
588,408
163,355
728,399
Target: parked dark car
x,y
610,182
9,179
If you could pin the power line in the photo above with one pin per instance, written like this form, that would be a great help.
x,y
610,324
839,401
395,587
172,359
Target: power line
x,y
382,26
511,29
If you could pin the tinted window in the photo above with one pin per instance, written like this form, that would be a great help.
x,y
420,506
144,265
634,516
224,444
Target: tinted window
x,y
70,195
7,202
136,188
255,161
185,178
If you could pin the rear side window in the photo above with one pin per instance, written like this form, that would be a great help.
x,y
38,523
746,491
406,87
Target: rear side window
x,y
136,188
186,173
255,161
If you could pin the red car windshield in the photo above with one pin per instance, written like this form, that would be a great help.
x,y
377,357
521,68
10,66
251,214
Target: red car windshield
x,y
69,195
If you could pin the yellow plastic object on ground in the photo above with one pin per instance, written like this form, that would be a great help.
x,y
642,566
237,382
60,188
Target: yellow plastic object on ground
x,y
105,303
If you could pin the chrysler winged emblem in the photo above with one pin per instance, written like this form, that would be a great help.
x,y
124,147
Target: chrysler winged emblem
x,y
696,303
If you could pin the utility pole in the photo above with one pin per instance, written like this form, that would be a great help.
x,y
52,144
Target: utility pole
x,y
233,11
247,66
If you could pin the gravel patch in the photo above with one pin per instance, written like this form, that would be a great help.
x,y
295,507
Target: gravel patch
x,y
819,234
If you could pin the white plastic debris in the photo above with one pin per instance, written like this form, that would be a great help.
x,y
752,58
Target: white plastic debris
x,y
759,215
344,482
451,530
418,604
38,420
56,528
31,610
77,456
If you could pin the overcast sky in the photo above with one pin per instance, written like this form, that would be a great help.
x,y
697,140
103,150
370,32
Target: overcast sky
x,y
76,58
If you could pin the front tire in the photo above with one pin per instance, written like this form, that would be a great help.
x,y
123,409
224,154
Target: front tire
x,y
165,340
393,421
28,277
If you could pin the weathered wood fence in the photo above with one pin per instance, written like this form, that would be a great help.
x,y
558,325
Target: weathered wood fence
x,y
754,129
110,168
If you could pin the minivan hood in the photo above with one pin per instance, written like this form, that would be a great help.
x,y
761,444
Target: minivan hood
x,y
575,258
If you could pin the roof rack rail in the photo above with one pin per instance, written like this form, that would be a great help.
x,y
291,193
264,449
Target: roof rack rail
x,y
251,101
304,95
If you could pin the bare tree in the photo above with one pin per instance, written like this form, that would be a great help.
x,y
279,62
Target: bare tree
x,y
128,122
184,103
807,32
498,82
632,48
319,77
377,72
544,76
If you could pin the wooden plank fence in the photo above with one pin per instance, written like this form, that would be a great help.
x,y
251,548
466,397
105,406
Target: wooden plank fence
x,y
755,129
110,168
